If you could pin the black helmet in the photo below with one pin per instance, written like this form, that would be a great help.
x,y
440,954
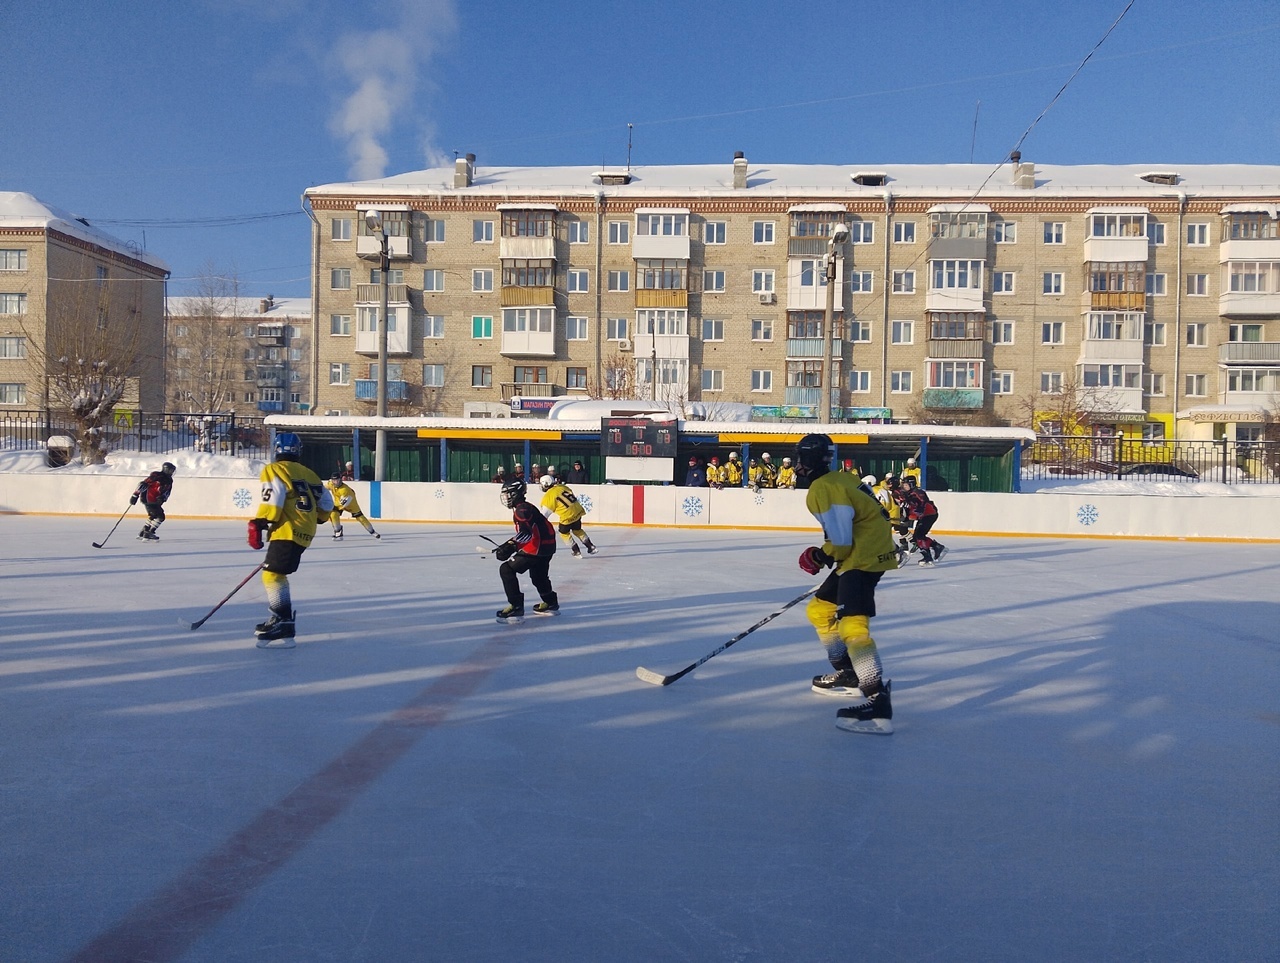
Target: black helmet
x,y
512,493
814,453
168,468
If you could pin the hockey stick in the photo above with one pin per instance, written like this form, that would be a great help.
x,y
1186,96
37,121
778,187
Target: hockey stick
x,y
196,625
114,527
655,678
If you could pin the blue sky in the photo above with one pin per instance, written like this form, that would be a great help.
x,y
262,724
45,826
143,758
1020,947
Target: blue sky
x,y
195,127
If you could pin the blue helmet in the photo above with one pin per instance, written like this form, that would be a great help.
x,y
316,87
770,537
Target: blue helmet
x,y
288,445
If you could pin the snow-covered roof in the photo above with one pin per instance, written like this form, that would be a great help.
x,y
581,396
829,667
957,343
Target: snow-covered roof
x,y
249,308
825,181
19,209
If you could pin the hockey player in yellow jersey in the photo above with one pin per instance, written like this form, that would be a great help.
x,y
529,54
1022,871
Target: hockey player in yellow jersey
x,y
858,546
293,501
732,471
344,500
559,500
786,475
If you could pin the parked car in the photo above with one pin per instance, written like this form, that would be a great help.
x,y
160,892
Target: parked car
x,y
1152,469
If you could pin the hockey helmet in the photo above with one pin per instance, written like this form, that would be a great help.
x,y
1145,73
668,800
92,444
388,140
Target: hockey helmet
x,y
335,477
733,456
786,461
869,480
909,481
814,453
764,456
547,482
890,478
512,493
288,445
911,463
715,460
168,468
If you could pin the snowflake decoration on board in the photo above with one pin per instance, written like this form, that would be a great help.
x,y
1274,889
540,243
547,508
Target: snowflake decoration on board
x,y
759,499
585,502
439,493
241,497
1087,514
692,506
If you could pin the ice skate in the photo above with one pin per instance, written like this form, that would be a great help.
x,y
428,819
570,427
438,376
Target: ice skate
x,y
938,551
873,716
843,683
591,548
546,608
511,614
276,632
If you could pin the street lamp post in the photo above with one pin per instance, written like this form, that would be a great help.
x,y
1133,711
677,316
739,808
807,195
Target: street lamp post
x,y
373,220
835,250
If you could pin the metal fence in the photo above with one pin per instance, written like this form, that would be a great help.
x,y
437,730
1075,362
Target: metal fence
x,y
1096,457
138,431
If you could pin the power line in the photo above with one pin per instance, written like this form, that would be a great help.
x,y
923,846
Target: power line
x,y
229,220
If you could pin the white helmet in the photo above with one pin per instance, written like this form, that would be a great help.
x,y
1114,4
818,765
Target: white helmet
x,y
765,456
911,463
786,461
547,481
869,480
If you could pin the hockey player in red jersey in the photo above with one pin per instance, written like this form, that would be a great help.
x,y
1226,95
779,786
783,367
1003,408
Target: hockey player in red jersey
x,y
919,508
529,550
154,491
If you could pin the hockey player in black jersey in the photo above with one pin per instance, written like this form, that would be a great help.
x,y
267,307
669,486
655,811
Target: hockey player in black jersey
x,y
154,490
529,550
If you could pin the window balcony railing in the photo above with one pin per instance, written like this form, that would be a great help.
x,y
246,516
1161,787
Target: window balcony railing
x,y
524,295
802,396
662,298
956,347
1115,300
370,246
1249,352
1248,304
372,294
530,389
367,390
953,398
800,348
274,406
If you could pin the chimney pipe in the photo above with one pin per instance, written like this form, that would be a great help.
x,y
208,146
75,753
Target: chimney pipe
x,y
739,170
464,169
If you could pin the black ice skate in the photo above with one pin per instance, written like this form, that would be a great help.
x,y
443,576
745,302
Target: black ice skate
x,y
872,716
843,683
276,632
546,608
511,614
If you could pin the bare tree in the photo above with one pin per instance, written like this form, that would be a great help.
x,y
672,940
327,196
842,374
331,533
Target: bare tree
x,y
619,379
207,347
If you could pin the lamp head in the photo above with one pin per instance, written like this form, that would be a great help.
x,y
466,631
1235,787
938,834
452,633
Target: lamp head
x,y
373,221
839,234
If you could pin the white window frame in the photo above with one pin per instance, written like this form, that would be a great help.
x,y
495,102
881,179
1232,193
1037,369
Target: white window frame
x,y
1197,285
482,280
339,228
1004,282
858,332
1197,386
13,393
904,282
13,347
861,282
862,232
762,329
433,280
1001,382
616,328
1197,234
860,381
1000,331
577,281
1053,332
715,232
713,281
433,327
900,382
1154,334
762,279
433,230
1153,384
1052,284
1155,233
432,375
340,279
904,232
1051,382
902,332
763,232
1197,335
761,380
1157,284
575,327
713,329
619,232
713,379
340,325
1004,232
619,280
579,232
481,231
339,373
1055,232
13,259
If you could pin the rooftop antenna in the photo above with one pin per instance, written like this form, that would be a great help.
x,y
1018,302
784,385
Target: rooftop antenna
x,y
629,129
974,139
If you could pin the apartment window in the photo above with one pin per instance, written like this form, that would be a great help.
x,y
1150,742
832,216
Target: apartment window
x,y
712,329
1197,386
861,232
713,282
528,273
714,232
433,376
340,325
619,232
1051,332
339,373
12,393
482,279
1253,277
340,279
859,382
900,382
13,304
1197,235
433,326
13,348
575,378
661,275
578,281
902,332
1055,232
340,229
1155,285
955,374
1002,382
1052,283
762,329
526,374
481,327
761,380
1051,382
575,328
579,232
860,282
482,232
660,224
762,282
1153,334
1244,333
1118,225
948,275
712,379
615,329
1155,233
904,232
1002,282
1153,384
810,268
433,231
619,280
13,259
394,276
1111,376
482,376
1005,232
662,321
433,280
860,331
762,232
516,223
904,282
1196,335
1001,332
1197,285
528,319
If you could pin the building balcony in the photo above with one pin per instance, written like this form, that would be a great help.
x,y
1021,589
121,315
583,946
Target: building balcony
x,y
1117,249
802,396
271,377
1266,400
527,248
662,298
661,247
958,248
802,349
272,335
954,299
370,246
367,390
956,347
1114,301
530,389
520,296
531,344
1249,304
271,406
397,337
807,246
1112,401
953,399
1249,352
1250,249
1110,351
372,294
663,346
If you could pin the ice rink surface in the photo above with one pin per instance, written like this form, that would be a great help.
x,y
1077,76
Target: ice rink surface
x,y
1085,765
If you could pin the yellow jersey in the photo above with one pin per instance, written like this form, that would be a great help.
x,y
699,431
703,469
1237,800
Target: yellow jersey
x,y
563,503
853,523
344,497
292,495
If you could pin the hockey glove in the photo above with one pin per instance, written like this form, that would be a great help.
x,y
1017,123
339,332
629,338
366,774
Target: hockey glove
x,y
813,560
505,551
256,528
134,499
